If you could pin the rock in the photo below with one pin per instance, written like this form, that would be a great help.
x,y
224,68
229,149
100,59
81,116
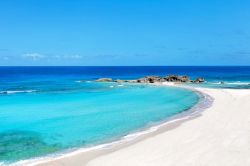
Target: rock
x,y
120,81
141,80
175,78
199,80
184,79
149,79
162,80
155,79
171,78
104,80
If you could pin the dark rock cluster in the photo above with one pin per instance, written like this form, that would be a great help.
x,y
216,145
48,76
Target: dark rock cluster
x,y
155,79
175,78
199,80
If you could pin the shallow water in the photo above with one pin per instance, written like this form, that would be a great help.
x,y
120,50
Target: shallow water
x,y
38,123
45,110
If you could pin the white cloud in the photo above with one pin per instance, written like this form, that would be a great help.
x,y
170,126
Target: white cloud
x,y
72,56
37,56
33,56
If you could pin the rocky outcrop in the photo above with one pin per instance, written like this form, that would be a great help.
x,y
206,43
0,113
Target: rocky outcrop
x,y
149,79
175,78
199,80
104,80
155,79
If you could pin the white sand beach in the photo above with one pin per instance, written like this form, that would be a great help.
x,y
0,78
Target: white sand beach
x,y
219,137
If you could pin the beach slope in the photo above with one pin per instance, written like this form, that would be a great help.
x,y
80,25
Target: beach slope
x,y
220,136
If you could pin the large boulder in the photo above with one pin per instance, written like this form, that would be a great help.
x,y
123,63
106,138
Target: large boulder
x,y
104,80
175,78
142,80
149,79
152,79
199,80
171,78
184,79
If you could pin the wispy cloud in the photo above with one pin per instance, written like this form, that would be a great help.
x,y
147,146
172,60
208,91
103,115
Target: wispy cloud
x,y
65,57
76,56
38,56
33,56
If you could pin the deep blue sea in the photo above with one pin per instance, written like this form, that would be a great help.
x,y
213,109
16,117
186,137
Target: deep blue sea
x,y
47,110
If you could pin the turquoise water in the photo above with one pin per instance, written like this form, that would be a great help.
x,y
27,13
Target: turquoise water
x,y
37,123
46,110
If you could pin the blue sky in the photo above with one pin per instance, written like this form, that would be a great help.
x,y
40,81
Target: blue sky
x,y
124,32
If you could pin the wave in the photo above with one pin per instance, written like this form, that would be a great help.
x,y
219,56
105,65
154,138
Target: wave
x,y
80,81
231,83
112,86
216,83
16,91
238,83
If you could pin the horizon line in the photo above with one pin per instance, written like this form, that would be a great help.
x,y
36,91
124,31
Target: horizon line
x,y
128,66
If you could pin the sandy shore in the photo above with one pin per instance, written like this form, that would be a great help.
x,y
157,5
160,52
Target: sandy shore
x,y
220,137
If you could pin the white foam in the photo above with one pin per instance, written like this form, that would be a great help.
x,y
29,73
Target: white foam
x,y
216,83
16,91
231,83
80,81
238,83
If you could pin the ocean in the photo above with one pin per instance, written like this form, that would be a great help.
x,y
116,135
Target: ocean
x,y
49,110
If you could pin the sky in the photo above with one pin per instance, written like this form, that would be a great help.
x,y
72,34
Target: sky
x,y
124,32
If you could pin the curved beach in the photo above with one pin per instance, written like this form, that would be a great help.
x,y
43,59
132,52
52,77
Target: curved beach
x,y
220,136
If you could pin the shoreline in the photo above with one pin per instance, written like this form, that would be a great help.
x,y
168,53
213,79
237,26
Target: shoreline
x,y
90,153
218,136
